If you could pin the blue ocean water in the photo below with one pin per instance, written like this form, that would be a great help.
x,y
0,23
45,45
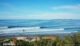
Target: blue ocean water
x,y
41,23
67,24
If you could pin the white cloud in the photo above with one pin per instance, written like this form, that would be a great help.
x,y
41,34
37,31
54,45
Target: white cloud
x,y
54,16
44,16
66,7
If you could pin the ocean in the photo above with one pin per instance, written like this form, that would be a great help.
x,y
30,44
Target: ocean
x,y
41,23
69,25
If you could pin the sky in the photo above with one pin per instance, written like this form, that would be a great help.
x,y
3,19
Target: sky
x,y
40,9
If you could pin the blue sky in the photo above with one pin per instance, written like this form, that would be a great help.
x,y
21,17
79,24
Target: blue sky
x,y
40,9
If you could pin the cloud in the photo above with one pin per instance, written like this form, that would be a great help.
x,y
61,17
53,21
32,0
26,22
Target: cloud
x,y
44,16
67,7
21,14
54,16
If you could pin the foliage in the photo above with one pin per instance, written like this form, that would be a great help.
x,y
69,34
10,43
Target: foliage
x,y
22,43
67,40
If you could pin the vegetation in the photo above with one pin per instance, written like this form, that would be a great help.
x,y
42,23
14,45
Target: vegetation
x,y
68,40
1,42
22,43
